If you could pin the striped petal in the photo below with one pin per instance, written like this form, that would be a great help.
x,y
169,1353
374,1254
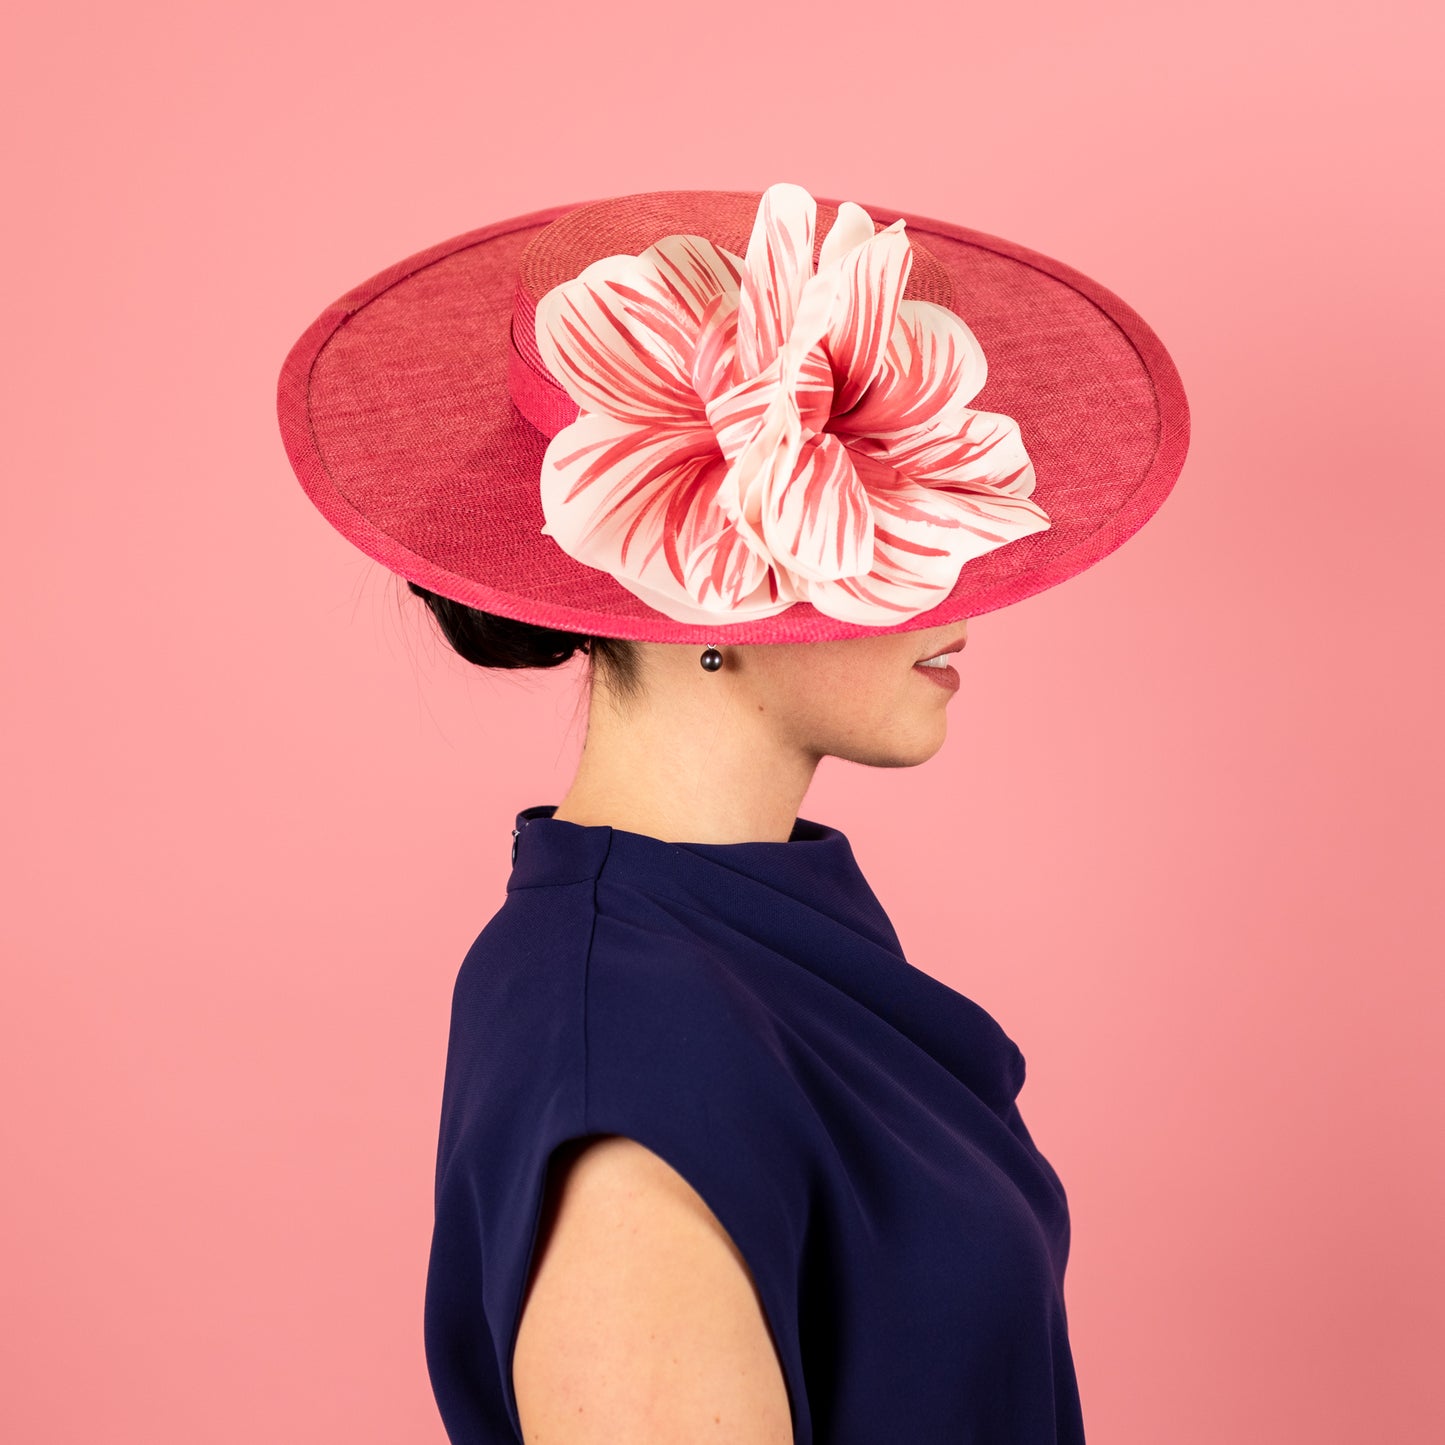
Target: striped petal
x,y
620,337
695,272
642,505
932,368
813,390
737,414
851,227
923,536
777,266
866,313
916,416
818,522
760,428
975,451
714,361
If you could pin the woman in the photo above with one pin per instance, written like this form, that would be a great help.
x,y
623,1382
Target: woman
x,y
715,1159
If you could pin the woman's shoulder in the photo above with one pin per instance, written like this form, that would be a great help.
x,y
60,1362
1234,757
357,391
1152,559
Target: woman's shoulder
x,y
571,1022
534,930
564,948
645,1024
683,1055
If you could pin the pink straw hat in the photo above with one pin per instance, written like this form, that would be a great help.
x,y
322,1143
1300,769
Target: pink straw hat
x,y
715,416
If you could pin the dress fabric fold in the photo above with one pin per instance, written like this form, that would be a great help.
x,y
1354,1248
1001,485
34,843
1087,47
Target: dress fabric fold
x,y
745,1010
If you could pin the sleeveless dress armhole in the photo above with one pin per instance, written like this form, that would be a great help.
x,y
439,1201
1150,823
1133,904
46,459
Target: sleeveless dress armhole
x,y
758,1228
670,1065
765,1253
735,1188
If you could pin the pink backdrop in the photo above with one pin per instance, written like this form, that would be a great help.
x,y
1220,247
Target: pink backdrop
x,y
1183,840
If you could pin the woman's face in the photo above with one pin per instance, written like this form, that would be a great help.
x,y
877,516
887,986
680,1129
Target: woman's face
x,y
863,699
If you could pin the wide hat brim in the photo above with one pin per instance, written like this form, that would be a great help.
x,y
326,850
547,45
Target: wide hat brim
x,y
397,417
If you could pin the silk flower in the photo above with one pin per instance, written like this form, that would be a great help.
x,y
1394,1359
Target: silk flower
x,y
752,433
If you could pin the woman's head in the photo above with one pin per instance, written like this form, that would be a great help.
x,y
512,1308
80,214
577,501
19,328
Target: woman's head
x,y
862,699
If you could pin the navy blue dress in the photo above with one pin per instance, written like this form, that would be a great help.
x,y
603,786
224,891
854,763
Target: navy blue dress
x,y
745,1011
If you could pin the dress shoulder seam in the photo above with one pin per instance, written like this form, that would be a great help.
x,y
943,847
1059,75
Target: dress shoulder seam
x,y
586,984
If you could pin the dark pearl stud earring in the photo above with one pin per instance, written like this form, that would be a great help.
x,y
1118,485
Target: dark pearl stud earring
x,y
711,660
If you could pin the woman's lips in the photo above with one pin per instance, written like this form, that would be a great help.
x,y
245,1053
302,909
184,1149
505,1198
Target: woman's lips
x,y
946,677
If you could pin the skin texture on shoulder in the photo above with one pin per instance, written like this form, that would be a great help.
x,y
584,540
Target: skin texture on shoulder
x,y
640,1320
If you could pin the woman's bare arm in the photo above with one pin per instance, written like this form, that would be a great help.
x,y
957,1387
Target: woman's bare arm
x,y
641,1322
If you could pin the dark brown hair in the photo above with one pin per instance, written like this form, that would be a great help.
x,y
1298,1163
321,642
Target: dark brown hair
x,y
487,640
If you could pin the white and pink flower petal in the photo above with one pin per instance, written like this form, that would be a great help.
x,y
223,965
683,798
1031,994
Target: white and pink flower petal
x,y
851,227
923,536
695,273
777,265
619,340
643,506
714,361
866,314
932,368
760,435
737,415
813,389
981,451
772,595
818,522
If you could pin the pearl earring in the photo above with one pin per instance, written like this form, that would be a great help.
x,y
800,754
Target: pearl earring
x,y
711,660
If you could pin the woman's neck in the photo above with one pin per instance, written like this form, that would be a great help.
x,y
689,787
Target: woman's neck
x,y
692,763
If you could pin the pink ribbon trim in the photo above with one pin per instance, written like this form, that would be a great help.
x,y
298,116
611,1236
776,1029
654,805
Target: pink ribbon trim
x,y
536,393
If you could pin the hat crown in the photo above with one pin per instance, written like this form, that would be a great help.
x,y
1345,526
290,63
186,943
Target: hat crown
x,y
628,225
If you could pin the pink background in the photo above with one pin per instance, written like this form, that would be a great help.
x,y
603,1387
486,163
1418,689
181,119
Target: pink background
x,y
1184,839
